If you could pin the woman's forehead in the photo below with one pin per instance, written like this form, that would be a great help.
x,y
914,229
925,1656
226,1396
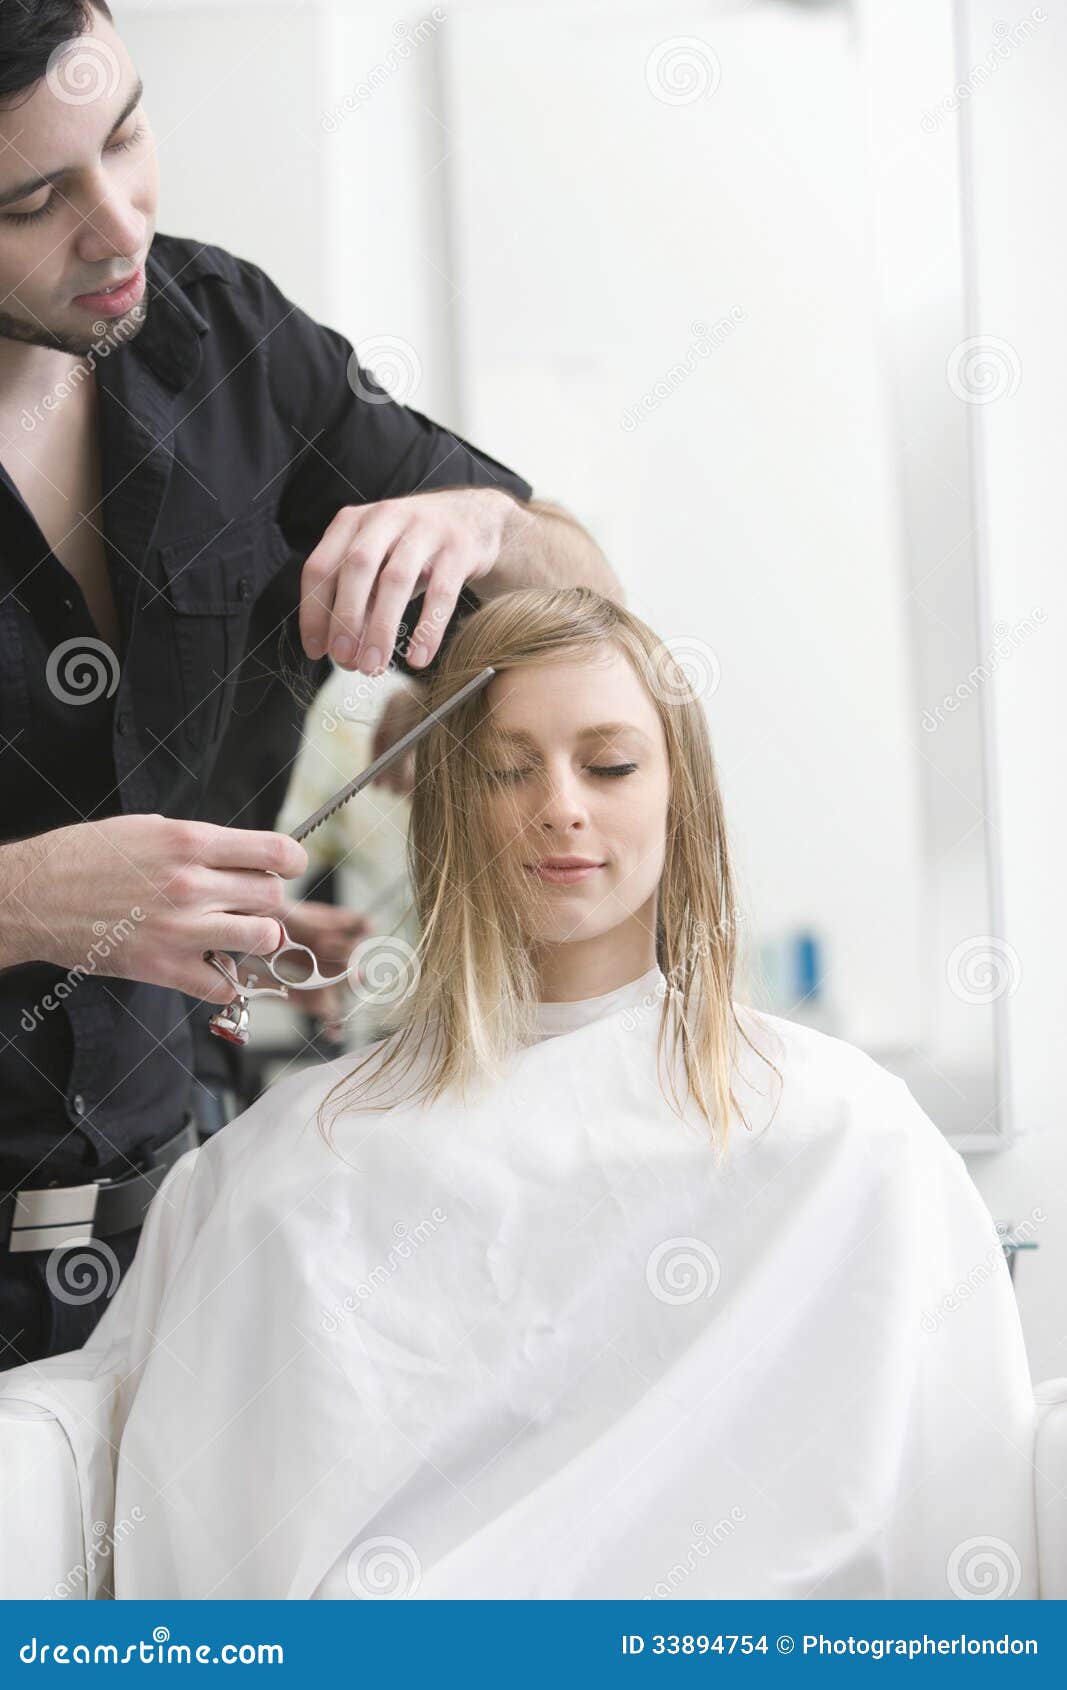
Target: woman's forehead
x,y
569,697
510,734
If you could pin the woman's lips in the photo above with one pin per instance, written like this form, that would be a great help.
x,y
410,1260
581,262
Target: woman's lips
x,y
114,304
563,876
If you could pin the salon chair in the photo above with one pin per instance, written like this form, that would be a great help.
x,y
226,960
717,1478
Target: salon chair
x,y
47,1539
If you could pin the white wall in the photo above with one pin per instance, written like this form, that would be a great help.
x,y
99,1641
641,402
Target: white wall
x,y
1020,155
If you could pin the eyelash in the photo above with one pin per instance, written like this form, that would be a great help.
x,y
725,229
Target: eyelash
x,y
49,205
613,772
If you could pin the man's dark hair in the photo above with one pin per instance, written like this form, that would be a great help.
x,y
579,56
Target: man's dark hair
x,y
30,32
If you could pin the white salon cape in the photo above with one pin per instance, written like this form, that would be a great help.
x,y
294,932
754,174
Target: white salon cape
x,y
541,1346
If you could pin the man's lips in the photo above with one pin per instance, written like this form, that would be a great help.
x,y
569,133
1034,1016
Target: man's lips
x,y
124,293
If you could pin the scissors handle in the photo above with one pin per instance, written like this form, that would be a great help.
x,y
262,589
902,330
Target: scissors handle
x,y
231,1023
312,980
246,989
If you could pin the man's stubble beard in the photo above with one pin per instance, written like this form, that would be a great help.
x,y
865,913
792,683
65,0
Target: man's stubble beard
x,y
117,331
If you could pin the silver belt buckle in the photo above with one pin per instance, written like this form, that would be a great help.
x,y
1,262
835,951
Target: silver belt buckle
x,y
59,1214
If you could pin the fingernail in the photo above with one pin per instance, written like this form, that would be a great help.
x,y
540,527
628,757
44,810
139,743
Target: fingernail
x,y
371,660
416,654
343,650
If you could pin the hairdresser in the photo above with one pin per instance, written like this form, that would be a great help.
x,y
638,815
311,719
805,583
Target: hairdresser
x,y
180,448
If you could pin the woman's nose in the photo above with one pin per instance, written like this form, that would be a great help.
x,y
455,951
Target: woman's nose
x,y
562,803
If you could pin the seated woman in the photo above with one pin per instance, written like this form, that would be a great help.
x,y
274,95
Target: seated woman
x,y
584,1280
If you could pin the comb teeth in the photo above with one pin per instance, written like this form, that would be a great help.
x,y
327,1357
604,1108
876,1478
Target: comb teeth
x,y
303,832
414,734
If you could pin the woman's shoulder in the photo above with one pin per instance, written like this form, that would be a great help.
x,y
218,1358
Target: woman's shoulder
x,y
827,1082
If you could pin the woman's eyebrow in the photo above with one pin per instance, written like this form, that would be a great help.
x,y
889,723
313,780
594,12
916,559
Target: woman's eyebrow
x,y
598,730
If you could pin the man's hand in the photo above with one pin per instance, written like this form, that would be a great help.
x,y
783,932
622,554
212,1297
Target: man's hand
x,y
374,559
143,897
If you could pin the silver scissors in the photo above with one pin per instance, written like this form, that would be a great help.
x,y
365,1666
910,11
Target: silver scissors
x,y
232,1023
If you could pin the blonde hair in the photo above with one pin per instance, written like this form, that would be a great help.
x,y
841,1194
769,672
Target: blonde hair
x,y
471,1003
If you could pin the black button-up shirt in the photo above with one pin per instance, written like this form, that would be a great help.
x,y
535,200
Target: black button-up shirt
x,y
230,435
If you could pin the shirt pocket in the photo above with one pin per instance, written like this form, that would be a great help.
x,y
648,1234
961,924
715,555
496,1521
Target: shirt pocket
x,y
212,581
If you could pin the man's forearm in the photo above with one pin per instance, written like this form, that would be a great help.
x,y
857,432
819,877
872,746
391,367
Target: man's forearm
x,y
18,858
543,546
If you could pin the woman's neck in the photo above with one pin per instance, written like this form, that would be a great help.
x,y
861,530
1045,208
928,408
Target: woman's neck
x,y
587,968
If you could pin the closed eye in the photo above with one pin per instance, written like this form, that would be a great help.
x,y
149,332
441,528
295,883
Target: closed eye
x,y
611,771
49,205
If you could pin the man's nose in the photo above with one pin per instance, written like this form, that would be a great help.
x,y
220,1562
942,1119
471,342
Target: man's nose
x,y
114,228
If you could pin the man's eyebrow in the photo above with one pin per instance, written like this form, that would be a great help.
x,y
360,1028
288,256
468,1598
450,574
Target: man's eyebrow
x,y
24,189
598,730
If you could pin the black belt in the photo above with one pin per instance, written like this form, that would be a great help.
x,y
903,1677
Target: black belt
x,y
75,1214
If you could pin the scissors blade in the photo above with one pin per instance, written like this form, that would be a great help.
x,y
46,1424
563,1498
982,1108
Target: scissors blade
x,y
394,752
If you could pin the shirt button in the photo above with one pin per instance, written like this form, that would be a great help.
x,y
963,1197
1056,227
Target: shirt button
x,y
244,588
79,1104
125,722
68,605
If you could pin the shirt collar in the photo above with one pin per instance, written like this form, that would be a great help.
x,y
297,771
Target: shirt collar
x,y
173,328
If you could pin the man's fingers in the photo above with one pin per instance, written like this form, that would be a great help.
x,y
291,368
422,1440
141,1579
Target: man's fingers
x,y
353,538
369,603
247,848
406,566
354,589
246,892
316,604
205,983
254,935
317,582
453,534
438,604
